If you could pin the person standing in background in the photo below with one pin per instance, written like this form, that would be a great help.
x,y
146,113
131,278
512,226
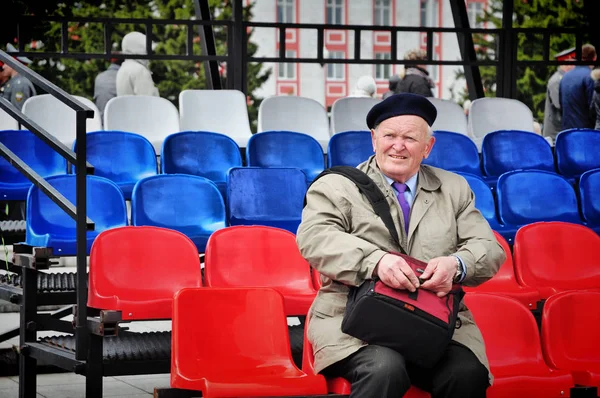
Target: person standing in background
x,y
416,79
105,85
576,92
552,111
16,89
134,76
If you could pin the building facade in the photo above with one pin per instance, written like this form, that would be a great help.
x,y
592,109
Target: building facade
x,y
332,81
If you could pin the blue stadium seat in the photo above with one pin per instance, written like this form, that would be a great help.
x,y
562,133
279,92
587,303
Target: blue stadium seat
x,y
35,153
189,204
484,200
49,226
589,192
122,157
508,150
286,149
577,151
266,196
528,196
201,153
454,152
349,148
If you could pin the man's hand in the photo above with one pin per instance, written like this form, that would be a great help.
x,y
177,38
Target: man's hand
x,y
440,272
396,273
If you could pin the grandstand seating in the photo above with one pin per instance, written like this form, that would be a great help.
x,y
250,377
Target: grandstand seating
x,y
57,118
505,283
292,113
201,153
7,122
504,151
349,148
137,270
491,114
35,153
339,385
577,151
259,256
350,113
570,330
286,149
450,116
514,350
153,117
529,196
484,200
556,256
221,111
454,152
49,226
122,157
233,358
266,196
188,204
589,192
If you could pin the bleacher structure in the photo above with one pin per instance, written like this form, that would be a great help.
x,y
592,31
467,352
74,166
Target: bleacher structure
x,y
236,199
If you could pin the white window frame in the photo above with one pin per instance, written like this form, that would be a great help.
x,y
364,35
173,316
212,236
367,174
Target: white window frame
x,y
335,12
383,71
383,12
429,13
336,71
475,10
289,11
287,70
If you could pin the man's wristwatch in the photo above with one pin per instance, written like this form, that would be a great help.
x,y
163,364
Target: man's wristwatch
x,y
459,270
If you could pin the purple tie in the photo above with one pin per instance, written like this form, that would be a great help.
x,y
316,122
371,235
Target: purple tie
x,y
401,188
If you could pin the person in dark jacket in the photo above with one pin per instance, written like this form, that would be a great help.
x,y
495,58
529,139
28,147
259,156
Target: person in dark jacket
x,y
392,86
416,79
105,85
596,101
576,92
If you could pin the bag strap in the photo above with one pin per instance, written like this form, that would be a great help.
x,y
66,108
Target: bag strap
x,y
368,188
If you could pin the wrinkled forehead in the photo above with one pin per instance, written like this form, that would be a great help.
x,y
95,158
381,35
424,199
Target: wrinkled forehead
x,y
404,124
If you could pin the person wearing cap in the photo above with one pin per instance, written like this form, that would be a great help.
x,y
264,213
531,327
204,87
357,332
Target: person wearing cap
x,y
105,85
416,79
17,88
437,222
577,92
365,87
134,76
552,111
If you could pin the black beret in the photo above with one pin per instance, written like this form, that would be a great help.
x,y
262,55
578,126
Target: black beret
x,y
402,104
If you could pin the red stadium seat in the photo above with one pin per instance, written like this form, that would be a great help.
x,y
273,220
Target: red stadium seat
x,y
137,270
240,354
570,330
260,256
340,385
514,351
556,256
505,283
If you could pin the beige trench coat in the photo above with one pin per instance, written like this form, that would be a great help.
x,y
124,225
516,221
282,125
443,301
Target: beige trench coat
x,y
343,239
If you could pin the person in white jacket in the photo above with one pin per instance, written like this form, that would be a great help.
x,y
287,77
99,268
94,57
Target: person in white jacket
x,y
134,77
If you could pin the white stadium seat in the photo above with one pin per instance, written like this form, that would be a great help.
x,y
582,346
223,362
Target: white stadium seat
x,y
350,113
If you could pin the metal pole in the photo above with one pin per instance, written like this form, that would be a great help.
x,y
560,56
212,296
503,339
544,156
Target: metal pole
x,y
207,42
508,53
238,44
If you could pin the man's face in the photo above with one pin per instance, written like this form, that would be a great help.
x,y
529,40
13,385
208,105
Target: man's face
x,y
400,144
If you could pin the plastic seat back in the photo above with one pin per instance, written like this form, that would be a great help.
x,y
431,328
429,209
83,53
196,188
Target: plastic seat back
x,y
286,149
493,114
484,199
454,152
201,153
221,111
528,196
350,114
7,122
349,148
514,350
570,330
122,157
189,204
557,256
35,153
233,358
272,197
258,256
291,113
450,116
138,270
577,151
504,151
153,117
57,118
49,226
589,192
